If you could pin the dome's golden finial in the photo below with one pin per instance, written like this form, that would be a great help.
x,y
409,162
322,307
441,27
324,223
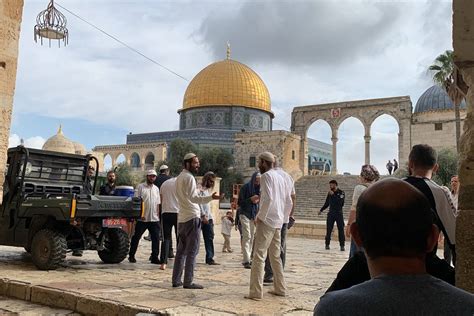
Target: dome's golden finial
x,y
228,50
60,129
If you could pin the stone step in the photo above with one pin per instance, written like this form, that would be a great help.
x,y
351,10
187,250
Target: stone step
x,y
311,192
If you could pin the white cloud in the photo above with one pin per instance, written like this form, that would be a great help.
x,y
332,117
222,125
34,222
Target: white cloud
x,y
98,80
32,142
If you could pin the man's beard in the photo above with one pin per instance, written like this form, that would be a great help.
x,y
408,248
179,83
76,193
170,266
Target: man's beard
x,y
193,170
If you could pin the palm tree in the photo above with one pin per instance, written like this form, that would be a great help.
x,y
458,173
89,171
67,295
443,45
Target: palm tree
x,y
444,75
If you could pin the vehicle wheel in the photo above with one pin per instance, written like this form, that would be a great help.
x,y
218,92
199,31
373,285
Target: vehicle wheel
x,y
48,249
116,246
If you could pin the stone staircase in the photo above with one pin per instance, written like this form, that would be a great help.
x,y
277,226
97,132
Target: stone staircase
x,y
311,192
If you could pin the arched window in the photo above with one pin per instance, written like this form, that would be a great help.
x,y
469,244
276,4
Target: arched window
x,y
135,160
149,161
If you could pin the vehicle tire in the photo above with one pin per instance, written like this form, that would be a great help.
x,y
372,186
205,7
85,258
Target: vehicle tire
x,y
48,249
116,246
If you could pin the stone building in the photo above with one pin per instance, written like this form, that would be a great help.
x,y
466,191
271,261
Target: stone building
x,y
224,99
284,145
433,119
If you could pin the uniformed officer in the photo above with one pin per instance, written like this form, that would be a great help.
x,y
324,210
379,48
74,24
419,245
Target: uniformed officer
x,y
335,201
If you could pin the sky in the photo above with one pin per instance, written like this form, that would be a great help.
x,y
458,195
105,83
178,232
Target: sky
x,y
306,52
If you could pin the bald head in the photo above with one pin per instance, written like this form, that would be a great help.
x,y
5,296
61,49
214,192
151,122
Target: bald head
x,y
394,219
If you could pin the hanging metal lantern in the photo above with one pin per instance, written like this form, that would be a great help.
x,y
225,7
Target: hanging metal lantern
x,y
51,24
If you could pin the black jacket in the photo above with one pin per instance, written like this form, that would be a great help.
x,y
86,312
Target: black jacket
x,y
107,189
334,201
160,179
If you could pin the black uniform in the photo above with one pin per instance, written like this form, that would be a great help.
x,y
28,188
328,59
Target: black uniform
x,y
160,179
107,189
335,202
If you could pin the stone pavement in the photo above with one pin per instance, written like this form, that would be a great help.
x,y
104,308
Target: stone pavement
x,y
86,285
10,306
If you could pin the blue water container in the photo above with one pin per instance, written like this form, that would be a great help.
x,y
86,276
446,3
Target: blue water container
x,y
124,190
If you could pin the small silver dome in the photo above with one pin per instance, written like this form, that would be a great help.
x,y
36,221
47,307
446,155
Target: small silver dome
x,y
435,99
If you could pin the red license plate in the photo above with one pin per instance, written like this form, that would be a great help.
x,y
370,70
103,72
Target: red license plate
x,y
114,222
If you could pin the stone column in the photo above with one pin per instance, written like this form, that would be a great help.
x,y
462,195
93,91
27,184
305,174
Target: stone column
x,y
367,139
404,142
463,43
10,18
334,155
304,156
464,231
142,162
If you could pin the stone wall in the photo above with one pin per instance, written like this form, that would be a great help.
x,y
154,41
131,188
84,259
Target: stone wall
x,y
284,145
225,117
158,150
10,19
424,131
463,43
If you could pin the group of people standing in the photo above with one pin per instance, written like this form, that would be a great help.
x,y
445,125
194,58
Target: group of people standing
x,y
392,167
393,267
266,205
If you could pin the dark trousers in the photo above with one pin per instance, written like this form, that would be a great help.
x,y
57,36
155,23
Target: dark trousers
x,y
154,229
168,220
339,219
208,236
189,234
447,251
268,268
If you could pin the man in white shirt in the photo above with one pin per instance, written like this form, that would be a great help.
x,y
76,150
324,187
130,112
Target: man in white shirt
x,y
169,217
150,195
289,210
189,223
269,220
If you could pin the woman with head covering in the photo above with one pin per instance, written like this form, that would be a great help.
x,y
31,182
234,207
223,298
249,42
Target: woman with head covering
x,y
207,184
368,175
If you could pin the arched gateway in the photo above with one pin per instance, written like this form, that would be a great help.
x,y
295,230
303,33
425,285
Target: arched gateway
x,y
400,108
138,156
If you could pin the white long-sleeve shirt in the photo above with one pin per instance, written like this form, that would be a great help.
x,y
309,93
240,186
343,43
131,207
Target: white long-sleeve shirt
x,y
445,208
290,190
188,197
273,199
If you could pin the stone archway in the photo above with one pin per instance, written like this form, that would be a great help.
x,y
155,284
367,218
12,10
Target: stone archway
x,y
157,150
400,108
149,161
135,161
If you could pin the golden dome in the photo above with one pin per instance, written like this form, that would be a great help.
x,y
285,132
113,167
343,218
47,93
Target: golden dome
x,y
59,143
227,83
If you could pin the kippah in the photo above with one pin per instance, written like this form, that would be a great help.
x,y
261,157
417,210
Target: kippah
x,y
189,156
267,156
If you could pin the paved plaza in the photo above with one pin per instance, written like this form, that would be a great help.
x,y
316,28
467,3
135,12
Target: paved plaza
x,y
88,286
11,306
